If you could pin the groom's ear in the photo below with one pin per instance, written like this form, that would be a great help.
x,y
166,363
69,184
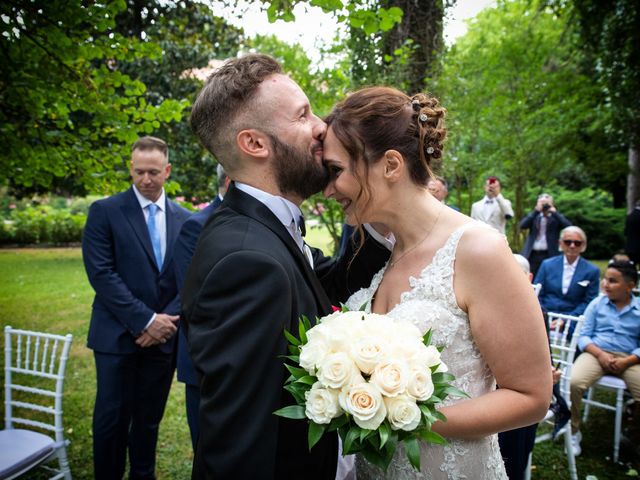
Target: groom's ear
x,y
393,163
254,143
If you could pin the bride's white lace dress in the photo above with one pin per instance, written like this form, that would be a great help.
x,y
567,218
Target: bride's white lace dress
x,y
431,304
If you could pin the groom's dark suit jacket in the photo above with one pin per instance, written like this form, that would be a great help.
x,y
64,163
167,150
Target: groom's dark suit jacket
x,y
249,281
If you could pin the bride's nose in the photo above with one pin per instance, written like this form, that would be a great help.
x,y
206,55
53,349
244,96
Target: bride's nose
x,y
330,190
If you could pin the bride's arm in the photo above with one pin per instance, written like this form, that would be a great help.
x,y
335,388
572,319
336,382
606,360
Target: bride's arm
x,y
508,328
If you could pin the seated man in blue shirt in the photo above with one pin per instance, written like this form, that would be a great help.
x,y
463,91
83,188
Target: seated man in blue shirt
x,y
610,341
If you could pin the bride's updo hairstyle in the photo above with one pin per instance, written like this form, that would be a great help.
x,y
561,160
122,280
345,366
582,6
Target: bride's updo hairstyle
x,y
373,120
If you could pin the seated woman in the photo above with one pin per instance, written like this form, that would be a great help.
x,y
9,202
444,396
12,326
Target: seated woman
x,y
610,341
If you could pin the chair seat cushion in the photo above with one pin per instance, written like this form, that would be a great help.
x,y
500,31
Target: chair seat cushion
x,y
612,382
20,449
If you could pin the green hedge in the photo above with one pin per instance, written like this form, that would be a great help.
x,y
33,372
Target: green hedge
x,y
42,224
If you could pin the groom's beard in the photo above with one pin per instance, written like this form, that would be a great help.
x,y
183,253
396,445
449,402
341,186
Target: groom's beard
x,y
297,172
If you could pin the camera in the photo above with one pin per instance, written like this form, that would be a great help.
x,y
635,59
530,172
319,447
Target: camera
x,y
546,206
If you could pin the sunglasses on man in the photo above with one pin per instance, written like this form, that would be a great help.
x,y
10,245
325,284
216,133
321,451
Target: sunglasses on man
x,y
577,243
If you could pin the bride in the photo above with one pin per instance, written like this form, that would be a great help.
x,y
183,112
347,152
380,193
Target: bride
x,y
448,273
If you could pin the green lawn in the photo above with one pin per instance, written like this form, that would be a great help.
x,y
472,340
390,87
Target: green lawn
x,y
47,290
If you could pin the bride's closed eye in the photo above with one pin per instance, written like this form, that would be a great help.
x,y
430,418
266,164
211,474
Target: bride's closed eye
x,y
334,171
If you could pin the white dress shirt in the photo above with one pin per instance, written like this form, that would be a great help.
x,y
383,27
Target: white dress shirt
x,y
286,211
568,269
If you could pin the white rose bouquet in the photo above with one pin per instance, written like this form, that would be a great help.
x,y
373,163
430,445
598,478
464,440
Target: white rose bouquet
x,y
375,381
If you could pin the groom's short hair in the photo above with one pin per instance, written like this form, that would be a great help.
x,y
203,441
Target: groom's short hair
x,y
225,105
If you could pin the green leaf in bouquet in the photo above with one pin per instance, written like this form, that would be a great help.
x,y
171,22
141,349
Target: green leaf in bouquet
x,y
364,434
442,377
455,392
306,322
296,372
295,412
344,308
433,437
294,350
297,391
379,458
293,358
291,338
307,379
412,449
426,339
352,435
302,331
363,307
315,433
383,432
336,423
435,398
440,416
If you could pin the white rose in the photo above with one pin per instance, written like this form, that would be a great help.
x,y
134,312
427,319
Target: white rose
x,y
402,412
340,330
368,351
426,355
365,403
321,404
312,353
420,385
337,370
442,367
391,377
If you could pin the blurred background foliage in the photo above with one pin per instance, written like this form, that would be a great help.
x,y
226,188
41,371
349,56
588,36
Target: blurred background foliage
x,y
543,93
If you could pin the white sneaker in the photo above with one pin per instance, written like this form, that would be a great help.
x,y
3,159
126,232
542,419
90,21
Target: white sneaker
x,y
576,438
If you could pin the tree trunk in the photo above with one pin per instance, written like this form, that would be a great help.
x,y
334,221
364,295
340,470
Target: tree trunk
x,y
633,178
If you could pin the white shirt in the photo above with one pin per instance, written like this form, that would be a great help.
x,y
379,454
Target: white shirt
x,y
568,270
540,243
285,210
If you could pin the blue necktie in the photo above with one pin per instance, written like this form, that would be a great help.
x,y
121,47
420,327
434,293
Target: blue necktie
x,y
154,234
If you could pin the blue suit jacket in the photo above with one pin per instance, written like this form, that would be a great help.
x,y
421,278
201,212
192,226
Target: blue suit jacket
x,y
584,286
119,260
182,254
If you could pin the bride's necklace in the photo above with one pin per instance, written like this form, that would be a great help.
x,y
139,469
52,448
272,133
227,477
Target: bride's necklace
x,y
393,262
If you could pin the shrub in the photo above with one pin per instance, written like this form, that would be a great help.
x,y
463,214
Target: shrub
x,y
42,224
31,225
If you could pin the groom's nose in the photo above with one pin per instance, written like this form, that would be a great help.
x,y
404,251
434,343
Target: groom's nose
x,y
319,128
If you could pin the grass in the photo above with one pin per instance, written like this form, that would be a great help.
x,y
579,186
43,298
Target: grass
x,y
47,290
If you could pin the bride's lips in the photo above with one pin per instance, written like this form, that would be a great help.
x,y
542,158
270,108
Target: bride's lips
x,y
345,202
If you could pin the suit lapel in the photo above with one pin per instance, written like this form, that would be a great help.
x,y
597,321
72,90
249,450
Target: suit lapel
x,y
577,275
172,231
134,215
247,205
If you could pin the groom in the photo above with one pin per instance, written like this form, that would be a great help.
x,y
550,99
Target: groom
x,y
252,275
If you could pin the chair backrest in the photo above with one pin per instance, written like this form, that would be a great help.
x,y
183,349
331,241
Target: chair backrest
x,y
563,344
34,370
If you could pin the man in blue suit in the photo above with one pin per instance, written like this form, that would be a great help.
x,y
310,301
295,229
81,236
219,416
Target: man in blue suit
x,y
127,248
568,281
183,251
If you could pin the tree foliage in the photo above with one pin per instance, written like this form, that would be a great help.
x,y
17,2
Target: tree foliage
x,y
520,106
190,36
67,113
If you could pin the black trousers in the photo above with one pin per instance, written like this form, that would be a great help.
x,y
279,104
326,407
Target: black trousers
x,y
515,447
131,396
192,402
535,259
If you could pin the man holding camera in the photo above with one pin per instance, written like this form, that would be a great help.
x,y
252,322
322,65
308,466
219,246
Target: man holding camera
x,y
544,224
493,209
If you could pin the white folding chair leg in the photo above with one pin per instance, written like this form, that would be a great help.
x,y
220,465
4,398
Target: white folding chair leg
x,y
571,459
618,426
527,472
